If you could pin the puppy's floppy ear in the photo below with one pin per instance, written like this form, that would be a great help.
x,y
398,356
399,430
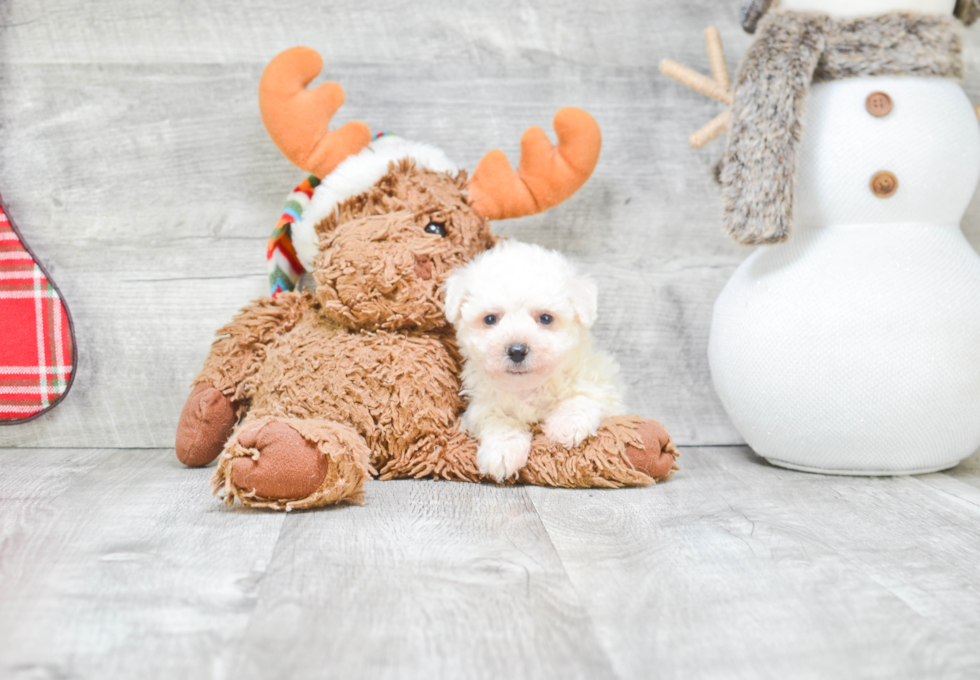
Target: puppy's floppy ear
x,y
584,296
455,295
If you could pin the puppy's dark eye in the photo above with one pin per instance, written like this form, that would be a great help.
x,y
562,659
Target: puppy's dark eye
x,y
437,228
490,319
546,319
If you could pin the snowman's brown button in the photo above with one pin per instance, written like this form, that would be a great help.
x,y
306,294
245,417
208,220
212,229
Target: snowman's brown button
x,y
884,184
878,104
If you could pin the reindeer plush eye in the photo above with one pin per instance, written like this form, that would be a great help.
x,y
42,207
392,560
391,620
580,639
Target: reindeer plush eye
x,y
437,228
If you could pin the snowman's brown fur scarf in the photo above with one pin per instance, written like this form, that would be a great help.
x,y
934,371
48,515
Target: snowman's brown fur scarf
x,y
792,50
967,11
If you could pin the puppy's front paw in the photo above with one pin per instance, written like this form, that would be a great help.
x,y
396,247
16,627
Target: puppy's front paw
x,y
501,455
570,428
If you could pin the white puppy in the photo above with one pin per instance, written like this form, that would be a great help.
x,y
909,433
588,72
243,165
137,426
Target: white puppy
x,y
522,316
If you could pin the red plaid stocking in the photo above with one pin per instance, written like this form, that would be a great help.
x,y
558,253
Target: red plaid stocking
x,y
37,340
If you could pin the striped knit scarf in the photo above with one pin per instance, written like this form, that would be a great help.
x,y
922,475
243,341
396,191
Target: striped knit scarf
x,y
284,267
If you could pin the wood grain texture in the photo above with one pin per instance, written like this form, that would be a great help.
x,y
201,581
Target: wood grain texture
x,y
429,579
133,157
118,563
618,32
740,569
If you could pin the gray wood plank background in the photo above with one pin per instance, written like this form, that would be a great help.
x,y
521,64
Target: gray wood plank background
x,y
133,157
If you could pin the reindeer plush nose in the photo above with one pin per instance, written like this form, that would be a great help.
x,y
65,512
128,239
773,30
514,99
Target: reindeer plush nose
x,y
517,353
423,267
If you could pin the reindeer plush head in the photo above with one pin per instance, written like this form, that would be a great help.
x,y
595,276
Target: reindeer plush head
x,y
389,218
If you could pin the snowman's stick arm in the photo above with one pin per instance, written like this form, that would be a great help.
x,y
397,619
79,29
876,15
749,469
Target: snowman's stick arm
x,y
719,86
712,131
976,110
695,81
716,56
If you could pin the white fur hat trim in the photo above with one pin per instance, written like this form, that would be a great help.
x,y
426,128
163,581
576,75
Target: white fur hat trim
x,y
354,176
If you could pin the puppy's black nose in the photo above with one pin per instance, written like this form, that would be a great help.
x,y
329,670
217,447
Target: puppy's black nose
x,y
517,353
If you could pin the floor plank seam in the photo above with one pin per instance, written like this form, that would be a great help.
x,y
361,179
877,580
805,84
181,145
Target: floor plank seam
x,y
607,653
14,449
239,645
952,497
235,277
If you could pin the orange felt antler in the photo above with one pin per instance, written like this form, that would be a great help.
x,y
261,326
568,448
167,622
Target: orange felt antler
x,y
298,119
546,176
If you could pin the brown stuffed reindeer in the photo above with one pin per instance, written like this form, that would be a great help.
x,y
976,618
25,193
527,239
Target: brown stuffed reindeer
x,y
307,394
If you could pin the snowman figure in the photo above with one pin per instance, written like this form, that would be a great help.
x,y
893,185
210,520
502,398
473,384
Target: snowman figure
x,y
848,342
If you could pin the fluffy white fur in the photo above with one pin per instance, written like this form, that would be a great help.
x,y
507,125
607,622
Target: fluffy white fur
x,y
562,382
356,175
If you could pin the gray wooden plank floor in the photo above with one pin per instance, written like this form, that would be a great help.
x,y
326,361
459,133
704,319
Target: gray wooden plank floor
x,y
133,158
117,564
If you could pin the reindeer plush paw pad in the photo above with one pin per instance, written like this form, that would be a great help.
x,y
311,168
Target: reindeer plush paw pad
x,y
657,456
286,466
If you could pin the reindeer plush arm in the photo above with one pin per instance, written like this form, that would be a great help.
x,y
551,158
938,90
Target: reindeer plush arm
x,y
221,391
241,345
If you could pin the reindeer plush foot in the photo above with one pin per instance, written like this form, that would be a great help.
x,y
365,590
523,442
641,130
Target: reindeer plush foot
x,y
627,451
656,455
206,422
291,463
288,466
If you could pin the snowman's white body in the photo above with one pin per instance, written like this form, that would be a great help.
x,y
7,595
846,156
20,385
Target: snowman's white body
x,y
854,347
